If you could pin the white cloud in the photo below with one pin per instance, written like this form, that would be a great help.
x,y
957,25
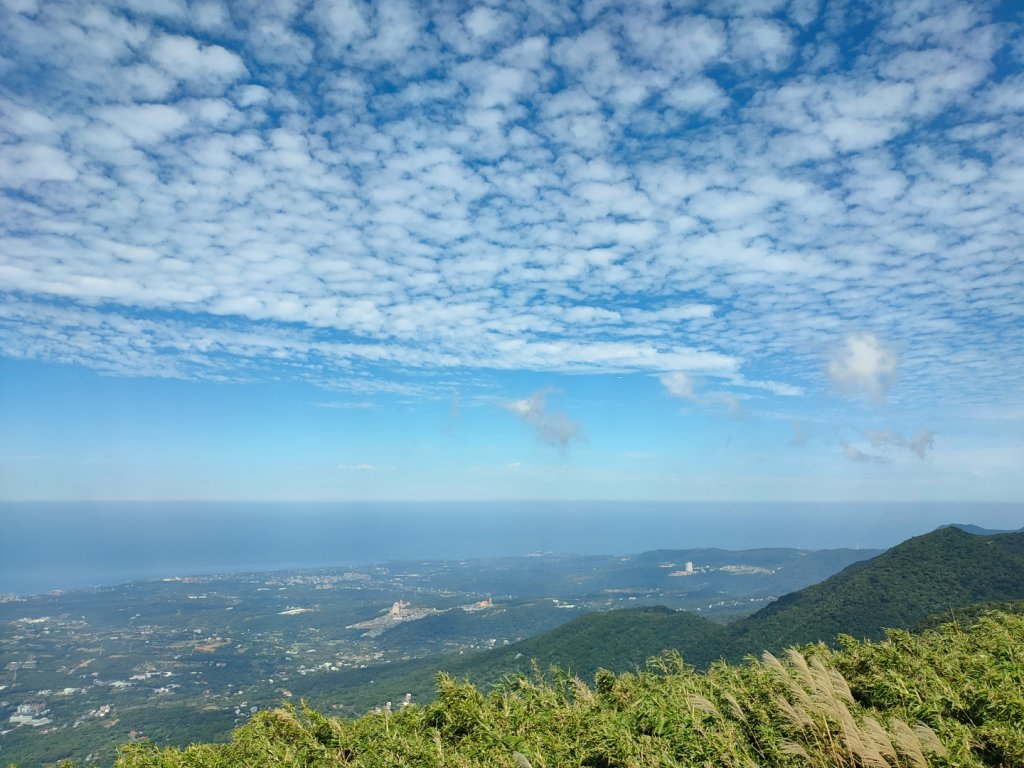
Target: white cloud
x,y
700,95
675,314
863,365
210,14
346,185
855,454
344,20
779,388
552,427
398,30
29,162
761,42
1006,97
488,23
686,45
145,123
678,384
187,59
26,122
803,12
920,444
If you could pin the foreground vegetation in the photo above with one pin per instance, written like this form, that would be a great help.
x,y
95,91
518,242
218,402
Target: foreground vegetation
x,y
950,696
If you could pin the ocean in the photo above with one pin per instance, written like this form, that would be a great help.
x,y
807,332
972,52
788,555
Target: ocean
x,y
49,545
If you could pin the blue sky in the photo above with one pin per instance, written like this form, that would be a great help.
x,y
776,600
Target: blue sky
x,y
367,251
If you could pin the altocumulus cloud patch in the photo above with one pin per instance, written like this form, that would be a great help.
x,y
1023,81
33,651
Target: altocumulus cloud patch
x,y
770,203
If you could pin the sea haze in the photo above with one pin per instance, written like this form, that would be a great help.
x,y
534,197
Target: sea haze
x,y
47,546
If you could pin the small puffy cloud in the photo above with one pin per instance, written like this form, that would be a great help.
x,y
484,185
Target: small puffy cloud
x,y
681,384
864,365
365,468
803,12
886,446
678,384
187,59
487,23
343,20
553,427
24,122
855,454
761,42
780,388
799,438
920,444
700,95
208,15
27,162
145,123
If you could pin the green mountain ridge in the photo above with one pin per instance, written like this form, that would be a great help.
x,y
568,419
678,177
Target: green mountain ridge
x,y
939,571
926,575
978,530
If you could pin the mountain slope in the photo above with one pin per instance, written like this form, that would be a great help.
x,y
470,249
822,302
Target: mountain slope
x,y
621,641
978,530
901,588
945,569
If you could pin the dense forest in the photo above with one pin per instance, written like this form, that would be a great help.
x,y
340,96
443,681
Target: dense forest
x,y
948,696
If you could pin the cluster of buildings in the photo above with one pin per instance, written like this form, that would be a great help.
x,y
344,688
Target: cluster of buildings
x,y
31,713
686,571
406,702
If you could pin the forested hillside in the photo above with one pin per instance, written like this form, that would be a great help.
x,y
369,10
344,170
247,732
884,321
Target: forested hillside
x,y
942,571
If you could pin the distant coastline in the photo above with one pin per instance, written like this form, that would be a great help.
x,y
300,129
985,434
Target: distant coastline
x,y
106,543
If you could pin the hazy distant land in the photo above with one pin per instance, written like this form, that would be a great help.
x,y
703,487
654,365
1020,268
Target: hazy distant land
x,y
188,657
68,545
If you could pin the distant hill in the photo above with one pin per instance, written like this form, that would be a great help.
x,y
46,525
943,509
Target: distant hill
x,y
901,588
618,640
621,640
942,570
782,570
977,530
